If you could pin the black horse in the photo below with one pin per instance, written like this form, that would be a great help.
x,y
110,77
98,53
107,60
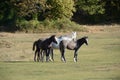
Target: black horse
x,y
44,45
72,45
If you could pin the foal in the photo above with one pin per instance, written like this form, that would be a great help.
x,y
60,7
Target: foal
x,y
44,45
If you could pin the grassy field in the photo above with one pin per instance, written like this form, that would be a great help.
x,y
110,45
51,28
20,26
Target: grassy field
x,y
100,60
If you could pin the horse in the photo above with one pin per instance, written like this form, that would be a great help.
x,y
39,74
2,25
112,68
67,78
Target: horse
x,y
72,45
44,45
53,45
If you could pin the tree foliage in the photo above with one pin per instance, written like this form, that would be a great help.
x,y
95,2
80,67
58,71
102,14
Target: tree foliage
x,y
6,11
59,8
29,8
14,12
91,6
112,9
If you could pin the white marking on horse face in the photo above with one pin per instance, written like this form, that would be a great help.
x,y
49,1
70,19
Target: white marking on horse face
x,y
87,40
56,39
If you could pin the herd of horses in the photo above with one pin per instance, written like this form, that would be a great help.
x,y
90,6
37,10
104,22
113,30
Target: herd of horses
x,y
46,46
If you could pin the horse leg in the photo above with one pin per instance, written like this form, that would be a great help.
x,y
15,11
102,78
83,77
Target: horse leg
x,y
63,57
42,55
62,54
47,54
46,51
38,55
40,52
62,50
51,55
35,56
75,56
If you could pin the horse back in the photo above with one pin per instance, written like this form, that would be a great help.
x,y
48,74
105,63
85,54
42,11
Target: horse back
x,y
68,44
71,45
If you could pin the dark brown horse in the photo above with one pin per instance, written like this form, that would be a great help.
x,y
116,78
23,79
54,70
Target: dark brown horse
x,y
72,45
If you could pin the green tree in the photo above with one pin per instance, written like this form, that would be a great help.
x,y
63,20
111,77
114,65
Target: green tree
x,y
112,9
90,6
6,11
59,9
29,8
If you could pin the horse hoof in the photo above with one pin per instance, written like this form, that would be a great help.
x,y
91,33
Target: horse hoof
x,y
75,60
63,60
50,59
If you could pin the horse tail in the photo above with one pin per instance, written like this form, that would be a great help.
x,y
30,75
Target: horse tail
x,y
34,44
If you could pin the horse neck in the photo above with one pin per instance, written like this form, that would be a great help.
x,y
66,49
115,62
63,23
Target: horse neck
x,y
80,42
49,40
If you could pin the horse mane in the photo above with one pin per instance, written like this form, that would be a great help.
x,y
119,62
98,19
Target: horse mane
x,y
47,40
85,37
52,36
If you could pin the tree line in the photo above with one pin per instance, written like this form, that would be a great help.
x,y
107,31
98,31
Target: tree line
x,y
20,14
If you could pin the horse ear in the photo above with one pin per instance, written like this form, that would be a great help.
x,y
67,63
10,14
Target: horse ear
x,y
75,32
53,35
86,36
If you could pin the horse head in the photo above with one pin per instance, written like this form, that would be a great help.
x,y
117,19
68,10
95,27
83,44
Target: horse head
x,y
54,39
85,40
74,36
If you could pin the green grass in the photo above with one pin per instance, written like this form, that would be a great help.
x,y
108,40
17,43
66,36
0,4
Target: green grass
x,y
100,60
